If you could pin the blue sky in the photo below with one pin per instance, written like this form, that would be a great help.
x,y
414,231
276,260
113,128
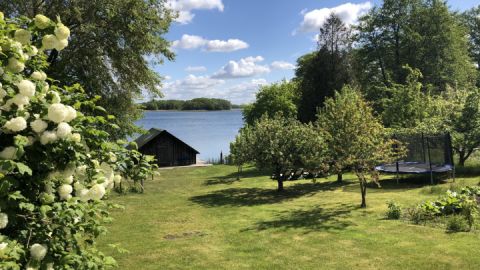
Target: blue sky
x,y
228,48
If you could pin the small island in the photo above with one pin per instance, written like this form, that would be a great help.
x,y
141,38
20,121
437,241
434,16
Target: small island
x,y
207,104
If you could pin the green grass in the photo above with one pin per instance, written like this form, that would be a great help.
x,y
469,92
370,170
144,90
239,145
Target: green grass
x,y
202,218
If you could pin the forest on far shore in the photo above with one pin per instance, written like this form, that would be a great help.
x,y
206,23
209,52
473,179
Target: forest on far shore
x,y
208,104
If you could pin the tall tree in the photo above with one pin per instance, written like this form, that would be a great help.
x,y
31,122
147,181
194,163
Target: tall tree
x,y
355,137
108,53
334,35
472,20
423,34
322,72
271,99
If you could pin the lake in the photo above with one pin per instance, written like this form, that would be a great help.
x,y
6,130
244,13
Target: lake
x,y
209,132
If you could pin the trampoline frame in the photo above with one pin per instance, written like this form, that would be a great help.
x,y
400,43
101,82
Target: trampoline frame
x,y
447,166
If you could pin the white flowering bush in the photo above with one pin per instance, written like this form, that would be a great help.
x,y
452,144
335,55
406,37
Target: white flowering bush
x,y
56,164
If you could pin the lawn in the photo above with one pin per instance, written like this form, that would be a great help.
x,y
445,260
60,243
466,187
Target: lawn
x,y
202,218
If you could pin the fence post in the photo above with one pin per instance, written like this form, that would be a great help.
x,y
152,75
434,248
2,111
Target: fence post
x,y
429,161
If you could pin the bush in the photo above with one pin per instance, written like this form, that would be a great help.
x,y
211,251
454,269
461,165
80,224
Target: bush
x,y
394,210
418,215
460,209
457,223
57,164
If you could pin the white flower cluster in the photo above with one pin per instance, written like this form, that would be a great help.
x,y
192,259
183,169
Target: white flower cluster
x,y
59,41
38,251
16,124
26,90
65,191
3,220
38,125
39,76
61,115
73,182
96,192
58,113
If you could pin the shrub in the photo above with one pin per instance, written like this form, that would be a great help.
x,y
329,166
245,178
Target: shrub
x,y
57,165
394,210
457,223
419,215
459,208
470,211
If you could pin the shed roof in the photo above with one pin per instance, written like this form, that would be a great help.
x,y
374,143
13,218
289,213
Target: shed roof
x,y
154,132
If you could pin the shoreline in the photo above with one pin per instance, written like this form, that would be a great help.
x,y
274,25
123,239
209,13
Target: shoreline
x,y
239,109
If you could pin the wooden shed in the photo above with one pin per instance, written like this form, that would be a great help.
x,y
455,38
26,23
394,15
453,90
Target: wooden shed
x,y
168,149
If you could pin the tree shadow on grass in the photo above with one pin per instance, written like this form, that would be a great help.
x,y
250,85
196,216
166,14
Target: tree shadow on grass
x,y
232,177
258,196
391,185
315,219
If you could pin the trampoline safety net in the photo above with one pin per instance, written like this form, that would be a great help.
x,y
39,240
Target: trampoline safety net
x,y
425,154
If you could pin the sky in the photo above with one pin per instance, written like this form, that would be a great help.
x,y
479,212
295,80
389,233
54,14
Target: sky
x,y
229,48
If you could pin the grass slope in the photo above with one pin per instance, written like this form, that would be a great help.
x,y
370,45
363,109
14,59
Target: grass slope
x,y
201,218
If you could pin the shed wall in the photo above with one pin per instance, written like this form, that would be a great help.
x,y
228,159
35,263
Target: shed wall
x,y
169,151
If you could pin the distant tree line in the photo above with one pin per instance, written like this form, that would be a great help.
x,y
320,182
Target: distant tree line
x,y
209,104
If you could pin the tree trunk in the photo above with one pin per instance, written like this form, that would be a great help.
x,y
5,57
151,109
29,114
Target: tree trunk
x,y
462,157
363,189
280,185
461,161
239,169
339,177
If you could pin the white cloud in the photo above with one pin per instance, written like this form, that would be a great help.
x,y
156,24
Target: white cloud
x,y
193,82
185,7
245,67
282,65
348,12
196,69
244,92
190,42
226,46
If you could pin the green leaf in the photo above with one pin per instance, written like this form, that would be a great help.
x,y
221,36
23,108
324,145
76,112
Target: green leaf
x,y
23,169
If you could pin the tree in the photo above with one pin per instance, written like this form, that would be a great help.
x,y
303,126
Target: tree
x,y
241,148
466,128
406,107
356,139
108,53
423,34
282,145
322,72
334,35
458,112
271,99
472,21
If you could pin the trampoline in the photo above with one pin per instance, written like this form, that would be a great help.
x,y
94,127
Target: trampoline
x,y
426,154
